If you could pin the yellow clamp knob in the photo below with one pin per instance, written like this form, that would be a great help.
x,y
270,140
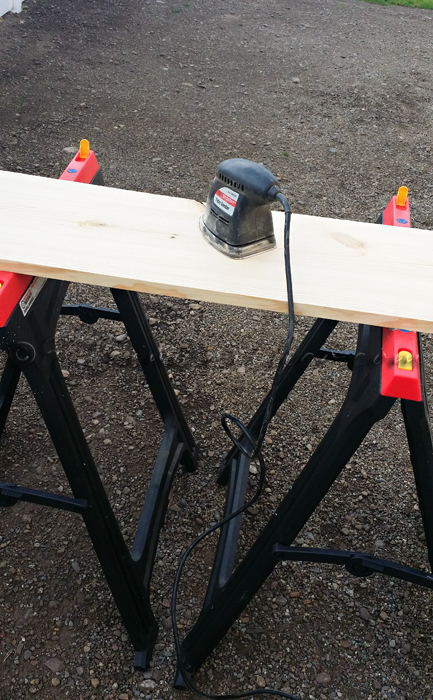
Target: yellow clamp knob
x,y
405,360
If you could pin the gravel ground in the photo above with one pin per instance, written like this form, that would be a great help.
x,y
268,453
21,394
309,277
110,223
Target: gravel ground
x,y
335,97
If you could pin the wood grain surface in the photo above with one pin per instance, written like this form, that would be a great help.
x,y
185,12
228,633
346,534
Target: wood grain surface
x,y
344,270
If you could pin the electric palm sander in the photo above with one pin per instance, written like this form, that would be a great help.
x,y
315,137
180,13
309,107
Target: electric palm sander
x,y
237,219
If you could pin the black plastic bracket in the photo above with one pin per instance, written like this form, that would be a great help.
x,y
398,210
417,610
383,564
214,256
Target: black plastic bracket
x,y
358,564
10,494
347,356
89,314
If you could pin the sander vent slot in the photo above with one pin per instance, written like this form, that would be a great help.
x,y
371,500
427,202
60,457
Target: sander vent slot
x,y
232,183
219,217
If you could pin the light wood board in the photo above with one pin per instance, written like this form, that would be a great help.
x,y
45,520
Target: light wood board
x,y
344,270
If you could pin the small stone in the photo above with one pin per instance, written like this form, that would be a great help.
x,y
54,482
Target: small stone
x,y
194,307
392,643
94,682
295,80
323,678
65,373
55,665
76,567
253,510
383,615
333,150
153,321
261,682
124,696
27,654
120,338
114,354
167,623
241,370
365,615
55,682
70,149
147,684
80,670
405,649
294,594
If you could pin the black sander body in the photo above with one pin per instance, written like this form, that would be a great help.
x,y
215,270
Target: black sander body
x,y
237,219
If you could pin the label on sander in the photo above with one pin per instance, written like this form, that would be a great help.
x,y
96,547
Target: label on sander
x,y
226,200
29,297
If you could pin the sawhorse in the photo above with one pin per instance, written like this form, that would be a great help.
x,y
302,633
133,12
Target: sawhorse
x,y
27,329
386,365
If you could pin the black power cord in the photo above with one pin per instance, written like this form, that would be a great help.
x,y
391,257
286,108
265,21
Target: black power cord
x,y
256,447
253,453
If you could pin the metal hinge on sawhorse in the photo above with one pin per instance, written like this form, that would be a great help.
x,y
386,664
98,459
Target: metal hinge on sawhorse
x,y
27,336
386,365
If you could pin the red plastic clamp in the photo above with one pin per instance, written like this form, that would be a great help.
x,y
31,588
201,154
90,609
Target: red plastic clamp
x,y
401,377
82,168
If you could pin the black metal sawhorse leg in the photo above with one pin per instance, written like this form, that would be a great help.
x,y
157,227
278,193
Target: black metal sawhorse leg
x,y
29,342
235,466
362,408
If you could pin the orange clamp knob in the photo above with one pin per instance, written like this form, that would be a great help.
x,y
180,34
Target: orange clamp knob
x,y
84,148
401,197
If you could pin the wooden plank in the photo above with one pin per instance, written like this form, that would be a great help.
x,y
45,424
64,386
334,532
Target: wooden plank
x,y
344,270
10,6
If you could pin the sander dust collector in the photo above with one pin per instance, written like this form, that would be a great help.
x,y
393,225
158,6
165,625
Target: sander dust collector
x,y
237,219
